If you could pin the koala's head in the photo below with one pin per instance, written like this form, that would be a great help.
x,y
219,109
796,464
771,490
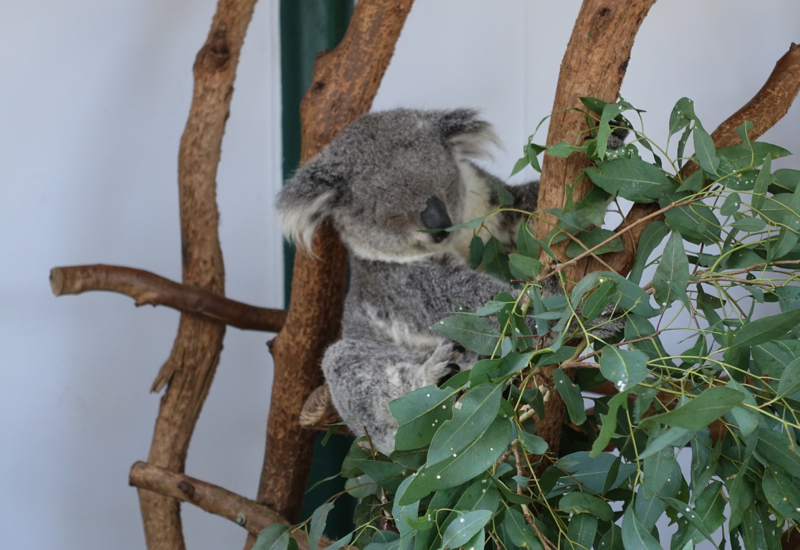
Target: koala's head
x,y
384,178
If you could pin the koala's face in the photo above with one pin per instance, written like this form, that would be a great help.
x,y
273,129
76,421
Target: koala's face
x,y
385,178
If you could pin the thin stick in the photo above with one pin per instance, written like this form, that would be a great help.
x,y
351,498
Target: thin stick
x,y
148,288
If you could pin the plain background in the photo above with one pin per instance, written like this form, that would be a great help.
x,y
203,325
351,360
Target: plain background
x,y
93,99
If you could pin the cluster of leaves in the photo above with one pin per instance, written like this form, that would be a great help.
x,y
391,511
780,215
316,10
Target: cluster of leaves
x,y
468,468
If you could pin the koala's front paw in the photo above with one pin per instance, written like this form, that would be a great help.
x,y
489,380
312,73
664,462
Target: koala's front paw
x,y
452,369
443,363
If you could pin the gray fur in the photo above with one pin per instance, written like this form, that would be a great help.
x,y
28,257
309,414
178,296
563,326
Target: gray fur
x,y
374,181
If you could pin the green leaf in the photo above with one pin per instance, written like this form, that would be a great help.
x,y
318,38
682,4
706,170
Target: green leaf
x,y
696,222
612,540
478,541
274,537
571,394
674,436
464,528
785,243
519,531
526,243
731,205
341,543
777,449
704,150
637,327
634,535
609,423
419,414
749,225
470,462
581,531
790,380
471,224
475,252
651,237
781,492
648,511
691,516
401,514
591,239
599,300
700,411
786,180
495,260
386,474
766,329
694,183
361,486
674,267
577,502
474,333
384,540
709,510
520,165
478,409
746,419
624,368
318,520
681,116
662,475
532,443
630,296
526,266
591,472
772,357
632,179
762,183
610,112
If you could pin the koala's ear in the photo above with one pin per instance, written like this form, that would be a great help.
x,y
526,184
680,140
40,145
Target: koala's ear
x,y
308,197
467,134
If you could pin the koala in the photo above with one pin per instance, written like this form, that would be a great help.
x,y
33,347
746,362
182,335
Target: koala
x,y
382,180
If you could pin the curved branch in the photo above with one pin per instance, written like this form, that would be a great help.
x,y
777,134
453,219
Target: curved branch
x,y
213,499
344,84
195,354
764,110
148,288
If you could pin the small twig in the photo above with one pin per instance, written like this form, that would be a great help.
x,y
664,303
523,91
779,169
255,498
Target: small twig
x,y
148,288
213,499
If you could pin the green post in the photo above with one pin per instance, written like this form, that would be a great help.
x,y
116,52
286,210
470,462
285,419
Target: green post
x,y
307,27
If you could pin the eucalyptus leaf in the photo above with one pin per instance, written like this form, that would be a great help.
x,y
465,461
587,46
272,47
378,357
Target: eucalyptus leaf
x,y
477,411
624,368
651,237
571,394
318,520
700,411
673,268
419,414
632,179
592,238
464,528
577,502
765,329
469,463
704,150
274,537
634,535
474,333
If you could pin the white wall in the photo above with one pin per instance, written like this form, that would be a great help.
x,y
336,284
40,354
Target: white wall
x,y
93,98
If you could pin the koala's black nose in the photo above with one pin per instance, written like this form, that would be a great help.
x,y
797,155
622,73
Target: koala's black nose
x,y
435,217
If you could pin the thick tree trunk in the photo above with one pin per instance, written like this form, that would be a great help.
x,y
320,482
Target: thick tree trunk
x,y
345,82
594,65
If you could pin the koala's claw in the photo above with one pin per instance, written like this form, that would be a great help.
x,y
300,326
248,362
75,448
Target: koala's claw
x,y
452,369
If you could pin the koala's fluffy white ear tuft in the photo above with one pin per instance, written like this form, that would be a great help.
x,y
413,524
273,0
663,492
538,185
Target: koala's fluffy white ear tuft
x,y
469,136
306,199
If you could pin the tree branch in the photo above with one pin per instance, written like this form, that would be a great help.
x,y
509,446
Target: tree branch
x,y
149,288
345,82
764,110
213,499
593,65
195,353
